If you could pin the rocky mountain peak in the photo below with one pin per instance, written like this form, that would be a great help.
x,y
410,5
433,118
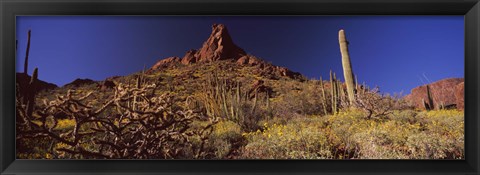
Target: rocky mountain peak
x,y
219,46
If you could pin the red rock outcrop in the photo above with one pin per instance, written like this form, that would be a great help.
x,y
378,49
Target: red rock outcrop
x,y
442,93
219,46
189,57
249,60
167,62
460,95
267,68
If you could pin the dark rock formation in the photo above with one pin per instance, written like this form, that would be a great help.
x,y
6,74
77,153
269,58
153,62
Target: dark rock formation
x,y
107,84
80,82
23,79
113,77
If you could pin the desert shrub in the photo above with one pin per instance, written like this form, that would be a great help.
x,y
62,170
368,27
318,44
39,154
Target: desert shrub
x,y
425,146
405,116
296,140
340,129
406,135
384,140
299,99
226,138
374,104
447,128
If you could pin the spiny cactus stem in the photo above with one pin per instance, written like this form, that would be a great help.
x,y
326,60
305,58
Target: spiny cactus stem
x,y
334,92
324,98
30,92
25,66
430,99
347,66
254,102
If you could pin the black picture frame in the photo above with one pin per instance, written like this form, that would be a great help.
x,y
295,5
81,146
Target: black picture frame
x,y
11,8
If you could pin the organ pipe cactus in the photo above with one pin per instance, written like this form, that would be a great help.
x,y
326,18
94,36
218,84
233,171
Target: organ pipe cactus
x,y
347,66
334,92
324,97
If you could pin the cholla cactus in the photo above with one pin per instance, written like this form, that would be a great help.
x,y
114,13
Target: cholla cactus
x,y
153,128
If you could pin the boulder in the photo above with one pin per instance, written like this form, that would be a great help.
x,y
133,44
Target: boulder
x,y
164,63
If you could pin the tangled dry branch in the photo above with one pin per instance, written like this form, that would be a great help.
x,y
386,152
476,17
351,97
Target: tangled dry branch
x,y
134,123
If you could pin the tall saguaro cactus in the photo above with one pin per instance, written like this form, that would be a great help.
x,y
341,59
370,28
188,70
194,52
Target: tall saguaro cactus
x,y
347,66
25,65
430,100
30,93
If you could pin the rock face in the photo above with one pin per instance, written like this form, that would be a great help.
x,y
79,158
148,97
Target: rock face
x,y
189,57
460,95
443,93
220,46
80,82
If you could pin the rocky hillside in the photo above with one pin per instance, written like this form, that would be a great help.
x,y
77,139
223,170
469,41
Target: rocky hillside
x,y
185,76
220,55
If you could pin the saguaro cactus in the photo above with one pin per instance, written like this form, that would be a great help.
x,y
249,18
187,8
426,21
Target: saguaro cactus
x,y
430,99
347,66
30,92
25,65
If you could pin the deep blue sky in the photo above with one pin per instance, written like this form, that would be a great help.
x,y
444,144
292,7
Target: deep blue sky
x,y
394,52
